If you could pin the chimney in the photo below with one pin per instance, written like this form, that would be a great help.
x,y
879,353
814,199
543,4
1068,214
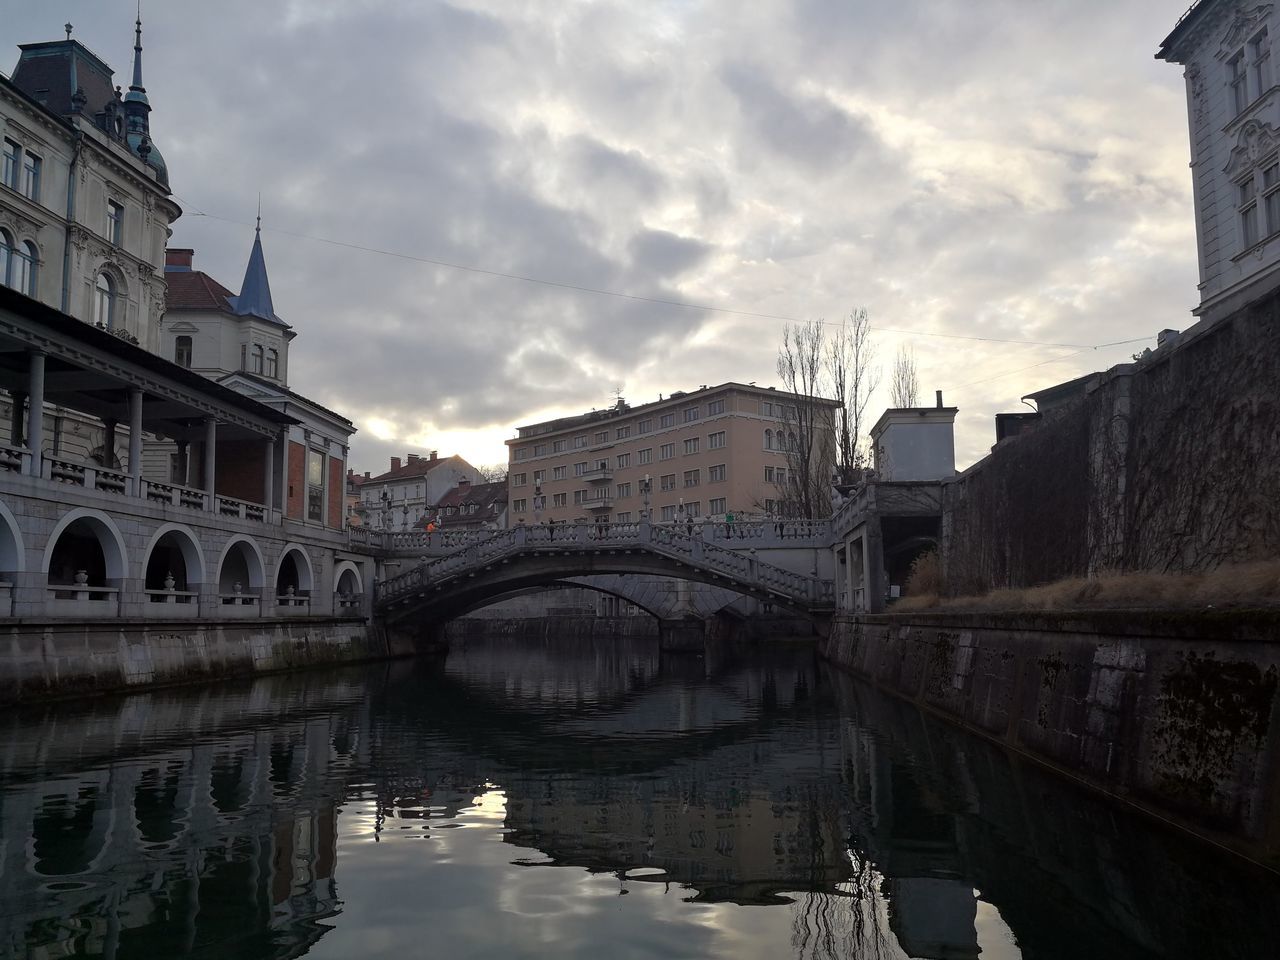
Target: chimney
x,y
395,463
414,458
366,475
463,484
938,394
179,258
433,455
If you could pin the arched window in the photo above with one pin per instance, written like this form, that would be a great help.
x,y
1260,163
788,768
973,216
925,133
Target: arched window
x,y
104,301
182,351
25,259
273,363
768,439
6,256
257,358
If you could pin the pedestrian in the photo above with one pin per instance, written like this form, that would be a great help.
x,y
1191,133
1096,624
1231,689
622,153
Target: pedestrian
x,y
728,525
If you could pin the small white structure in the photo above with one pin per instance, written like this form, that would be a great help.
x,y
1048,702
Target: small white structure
x,y
915,443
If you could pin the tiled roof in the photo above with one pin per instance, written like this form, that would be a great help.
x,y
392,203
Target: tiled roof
x,y
485,495
194,290
285,391
416,468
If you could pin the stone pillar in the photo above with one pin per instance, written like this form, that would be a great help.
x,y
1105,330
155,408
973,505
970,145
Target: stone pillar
x,y
184,463
17,421
873,571
210,463
135,439
35,411
269,477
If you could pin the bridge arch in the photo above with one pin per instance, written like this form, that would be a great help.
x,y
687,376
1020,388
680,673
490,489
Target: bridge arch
x,y
534,589
240,562
85,541
13,555
174,550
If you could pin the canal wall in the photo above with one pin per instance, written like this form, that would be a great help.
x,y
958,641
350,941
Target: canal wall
x,y
62,658
1176,713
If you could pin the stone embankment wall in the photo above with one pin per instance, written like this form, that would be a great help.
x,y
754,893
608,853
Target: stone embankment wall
x,y
61,658
1144,707
1170,464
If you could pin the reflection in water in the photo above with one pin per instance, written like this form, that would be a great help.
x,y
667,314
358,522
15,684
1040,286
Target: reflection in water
x,y
544,799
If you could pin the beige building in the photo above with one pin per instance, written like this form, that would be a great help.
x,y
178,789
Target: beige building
x,y
702,454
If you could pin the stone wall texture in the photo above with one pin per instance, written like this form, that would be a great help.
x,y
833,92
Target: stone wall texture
x,y
1172,465
1176,713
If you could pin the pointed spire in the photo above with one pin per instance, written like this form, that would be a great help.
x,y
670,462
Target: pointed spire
x,y
255,292
137,55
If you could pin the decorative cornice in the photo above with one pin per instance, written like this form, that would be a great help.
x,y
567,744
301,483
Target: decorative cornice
x,y
1255,141
1243,24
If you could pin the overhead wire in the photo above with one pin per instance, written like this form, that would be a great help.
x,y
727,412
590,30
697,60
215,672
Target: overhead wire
x,y
707,308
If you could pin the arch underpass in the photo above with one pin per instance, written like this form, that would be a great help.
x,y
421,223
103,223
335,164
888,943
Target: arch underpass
x,y
438,590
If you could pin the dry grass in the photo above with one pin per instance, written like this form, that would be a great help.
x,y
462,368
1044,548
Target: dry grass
x,y
1250,584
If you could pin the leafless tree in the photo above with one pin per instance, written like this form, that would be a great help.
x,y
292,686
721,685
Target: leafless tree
x,y
904,388
491,472
806,435
853,378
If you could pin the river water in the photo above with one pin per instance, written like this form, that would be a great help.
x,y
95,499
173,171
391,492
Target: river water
x,y
574,799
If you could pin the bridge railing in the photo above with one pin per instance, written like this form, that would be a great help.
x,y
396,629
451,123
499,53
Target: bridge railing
x,y
741,566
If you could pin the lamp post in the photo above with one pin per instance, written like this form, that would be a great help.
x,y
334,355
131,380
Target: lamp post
x,y
539,501
646,488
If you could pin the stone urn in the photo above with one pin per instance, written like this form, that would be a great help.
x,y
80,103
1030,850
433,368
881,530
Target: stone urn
x,y
288,591
169,581
82,577
237,587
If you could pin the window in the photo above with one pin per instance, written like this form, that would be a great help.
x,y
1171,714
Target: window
x,y
644,426
559,499
579,442
557,446
522,453
602,436
645,456
622,433
580,468
539,476
716,474
578,496
624,517
6,256
1260,57
624,461
668,420
244,353
771,506
1238,80
713,408
560,473
519,479
519,506
624,490
273,363
115,223
693,508
692,478
768,440
780,475
719,505
539,449
12,153
31,177
182,351
257,358
717,440
770,409
104,301
691,414
669,512
691,445
668,481
315,485
22,268
770,474
666,451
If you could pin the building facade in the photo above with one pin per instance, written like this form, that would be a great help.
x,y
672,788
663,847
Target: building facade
x,y
1233,109
404,497
473,506
704,454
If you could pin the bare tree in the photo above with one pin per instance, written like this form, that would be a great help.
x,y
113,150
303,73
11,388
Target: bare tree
x,y
904,388
491,472
853,379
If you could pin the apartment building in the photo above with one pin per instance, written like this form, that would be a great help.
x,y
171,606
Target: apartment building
x,y
702,454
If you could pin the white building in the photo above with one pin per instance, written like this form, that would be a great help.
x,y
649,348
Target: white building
x,y
405,497
1233,106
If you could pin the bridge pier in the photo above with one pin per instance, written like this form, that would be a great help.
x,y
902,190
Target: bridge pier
x,y
686,634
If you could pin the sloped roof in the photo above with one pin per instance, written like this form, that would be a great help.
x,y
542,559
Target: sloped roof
x,y
484,495
280,388
195,290
415,468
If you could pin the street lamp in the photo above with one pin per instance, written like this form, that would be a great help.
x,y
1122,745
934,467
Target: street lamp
x,y
539,501
646,487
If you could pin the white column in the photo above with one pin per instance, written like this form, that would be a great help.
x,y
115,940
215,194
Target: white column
x,y
35,410
210,462
135,439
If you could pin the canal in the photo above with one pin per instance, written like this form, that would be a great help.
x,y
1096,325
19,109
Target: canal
x,y
578,799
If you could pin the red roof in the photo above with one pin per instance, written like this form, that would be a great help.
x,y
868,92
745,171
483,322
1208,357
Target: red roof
x,y
414,468
194,290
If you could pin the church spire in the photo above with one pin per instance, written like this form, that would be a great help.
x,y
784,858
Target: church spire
x,y
255,292
137,91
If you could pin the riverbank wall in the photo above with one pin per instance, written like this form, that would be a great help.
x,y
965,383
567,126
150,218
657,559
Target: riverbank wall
x,y
1174,713
67,658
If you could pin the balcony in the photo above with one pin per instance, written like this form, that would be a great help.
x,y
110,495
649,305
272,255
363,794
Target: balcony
x,y
600,474
604,502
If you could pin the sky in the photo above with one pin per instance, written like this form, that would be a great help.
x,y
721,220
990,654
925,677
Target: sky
x,y
1003,185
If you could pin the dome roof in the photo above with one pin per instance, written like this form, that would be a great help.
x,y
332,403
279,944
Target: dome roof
x,y
153,159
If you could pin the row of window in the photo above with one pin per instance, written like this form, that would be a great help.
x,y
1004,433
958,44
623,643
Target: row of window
x,y
780,440
640,427
18,264
1249,72
1260,189
21,170
669,512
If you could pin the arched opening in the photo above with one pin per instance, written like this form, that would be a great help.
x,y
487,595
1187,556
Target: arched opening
x,y
174,568
86,557
6,257
348,587
293,578
104,301
240,573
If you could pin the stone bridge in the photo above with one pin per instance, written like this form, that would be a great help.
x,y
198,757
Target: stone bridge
x,y
440,588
